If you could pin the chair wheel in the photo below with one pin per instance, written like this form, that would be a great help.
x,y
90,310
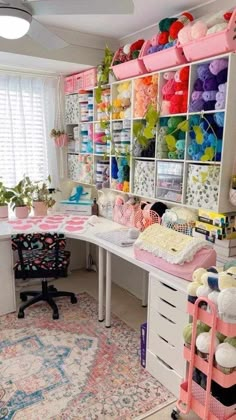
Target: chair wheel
x,y
21,314
55,315
73,300
23,297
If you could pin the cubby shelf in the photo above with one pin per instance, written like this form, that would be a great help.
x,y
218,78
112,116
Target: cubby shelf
x,y
221,170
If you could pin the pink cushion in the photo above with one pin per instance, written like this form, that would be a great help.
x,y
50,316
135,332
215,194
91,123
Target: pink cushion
x,y
205,258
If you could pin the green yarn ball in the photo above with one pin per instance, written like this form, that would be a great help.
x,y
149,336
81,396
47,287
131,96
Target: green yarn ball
x,y
188,330
173,122
165,24
231,341
135,54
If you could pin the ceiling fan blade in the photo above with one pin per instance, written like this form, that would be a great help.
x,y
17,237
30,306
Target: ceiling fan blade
x,y
81,7
44,37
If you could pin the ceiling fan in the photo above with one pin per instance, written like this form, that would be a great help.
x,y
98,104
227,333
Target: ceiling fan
x,y
17,17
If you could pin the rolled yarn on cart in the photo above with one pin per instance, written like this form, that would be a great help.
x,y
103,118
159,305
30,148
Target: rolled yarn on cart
x,y
173,252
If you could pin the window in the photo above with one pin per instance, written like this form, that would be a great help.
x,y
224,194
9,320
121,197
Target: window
x,y
27,114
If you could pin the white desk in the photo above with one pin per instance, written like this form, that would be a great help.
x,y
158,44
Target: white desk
x,y
88,235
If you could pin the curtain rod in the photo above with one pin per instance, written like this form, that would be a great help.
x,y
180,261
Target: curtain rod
x,y
28,73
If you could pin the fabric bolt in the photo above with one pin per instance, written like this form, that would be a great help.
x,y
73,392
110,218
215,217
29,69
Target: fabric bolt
x,y
144,178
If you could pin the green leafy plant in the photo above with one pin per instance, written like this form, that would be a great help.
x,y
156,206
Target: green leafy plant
x,y
104,70
56,133
21,194
43,193
144,130
4,195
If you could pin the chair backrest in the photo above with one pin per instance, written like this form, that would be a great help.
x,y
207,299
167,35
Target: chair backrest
x,y
39,241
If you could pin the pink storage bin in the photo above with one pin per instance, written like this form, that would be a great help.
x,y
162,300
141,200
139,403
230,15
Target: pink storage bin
x,y
213,44
125,214
131,68
78,82
69,85
217,410
164,59
90,78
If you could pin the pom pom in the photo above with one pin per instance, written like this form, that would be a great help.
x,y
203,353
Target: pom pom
x,y
198,30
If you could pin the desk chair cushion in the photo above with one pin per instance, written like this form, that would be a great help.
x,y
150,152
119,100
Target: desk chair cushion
x,y
40,255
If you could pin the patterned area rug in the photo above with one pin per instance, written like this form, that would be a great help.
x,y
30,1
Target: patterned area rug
x,y
73,368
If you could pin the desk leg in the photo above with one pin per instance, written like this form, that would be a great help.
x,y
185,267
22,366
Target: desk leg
x,y
108,290
100,283
145,289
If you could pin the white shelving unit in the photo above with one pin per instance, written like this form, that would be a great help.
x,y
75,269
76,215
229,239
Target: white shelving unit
x,y
228,150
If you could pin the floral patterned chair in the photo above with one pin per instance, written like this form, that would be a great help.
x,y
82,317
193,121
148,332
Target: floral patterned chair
x,y
41,255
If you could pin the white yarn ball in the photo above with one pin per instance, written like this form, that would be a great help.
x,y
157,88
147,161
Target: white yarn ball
x,y
213,297
226,305
203,342
226,355
126,48
203,291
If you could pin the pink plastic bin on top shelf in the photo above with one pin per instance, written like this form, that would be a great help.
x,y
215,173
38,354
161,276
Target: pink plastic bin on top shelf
x,y
128,69
213,44
164,59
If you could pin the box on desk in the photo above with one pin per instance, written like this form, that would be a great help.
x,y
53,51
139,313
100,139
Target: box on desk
x,y
215,232
83,207
217,219
225,248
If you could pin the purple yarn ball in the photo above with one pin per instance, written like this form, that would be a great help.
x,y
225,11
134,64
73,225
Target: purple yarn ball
x,y
198,85
222,76
196,106
209,105
203,72
210,95
210,83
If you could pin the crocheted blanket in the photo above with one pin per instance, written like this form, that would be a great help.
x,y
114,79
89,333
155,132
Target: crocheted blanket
x,y
172,246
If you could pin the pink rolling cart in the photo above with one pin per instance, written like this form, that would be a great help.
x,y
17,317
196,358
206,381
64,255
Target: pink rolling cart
x,y
193,396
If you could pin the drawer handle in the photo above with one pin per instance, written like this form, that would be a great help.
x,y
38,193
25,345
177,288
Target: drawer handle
x,y
169,287
166,341
164,363
168,303
165,317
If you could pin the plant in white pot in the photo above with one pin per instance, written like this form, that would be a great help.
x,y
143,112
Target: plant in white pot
x,y
42,197
4,200
21,198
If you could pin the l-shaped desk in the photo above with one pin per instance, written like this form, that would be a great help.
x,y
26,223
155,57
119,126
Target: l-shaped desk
x,y
105,249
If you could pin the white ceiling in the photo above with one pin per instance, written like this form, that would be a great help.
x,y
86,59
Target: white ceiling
x,y
147,12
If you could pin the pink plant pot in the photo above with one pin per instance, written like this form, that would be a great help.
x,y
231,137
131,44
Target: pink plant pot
x,y
61,140
4,212
40,208
22,212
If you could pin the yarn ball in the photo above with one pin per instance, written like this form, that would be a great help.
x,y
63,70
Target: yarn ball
x,y
230,340
114,169
198,85
163,38
209,105
193,288
203,72
175,28
213,297
126,49
209,95
184,74
217,28
203,291
137,45
198,30
225,356
226,305
203,342
222,76
217,65
184,35
196,106
188,330
210,83
164,24
159,208
197,275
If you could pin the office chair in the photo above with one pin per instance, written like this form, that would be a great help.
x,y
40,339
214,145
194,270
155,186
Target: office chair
x,y
41,255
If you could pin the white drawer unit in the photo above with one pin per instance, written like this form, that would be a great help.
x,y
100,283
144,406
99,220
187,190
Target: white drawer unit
x,y
7,280
163,373
167,316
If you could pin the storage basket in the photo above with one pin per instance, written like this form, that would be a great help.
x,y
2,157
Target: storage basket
x,y
78,82
69,85
90,78
125,214
213,44
128,69
145,218
169,57
185,228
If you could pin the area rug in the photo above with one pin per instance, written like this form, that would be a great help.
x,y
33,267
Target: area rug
x,y
73,368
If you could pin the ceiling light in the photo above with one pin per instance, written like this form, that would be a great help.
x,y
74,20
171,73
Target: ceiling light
x,y
14,23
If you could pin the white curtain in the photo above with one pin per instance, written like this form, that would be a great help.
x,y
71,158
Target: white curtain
x,y
28,112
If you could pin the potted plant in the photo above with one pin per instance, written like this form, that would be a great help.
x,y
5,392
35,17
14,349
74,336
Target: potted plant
x,y
59,136
4,200
103,71
21,198
42,197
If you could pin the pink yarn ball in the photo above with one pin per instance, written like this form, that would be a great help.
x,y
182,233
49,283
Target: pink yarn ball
x,y
184,35
198,30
